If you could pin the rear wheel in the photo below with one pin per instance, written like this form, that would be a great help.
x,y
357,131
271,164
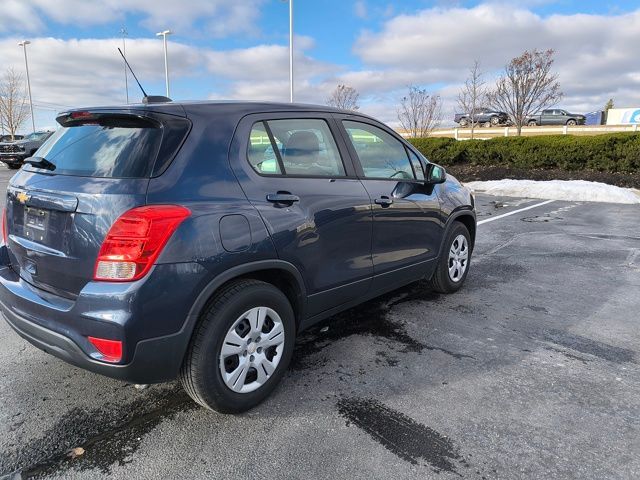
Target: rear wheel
x,y
494,121
464,122
531,123
241,349
13,166
453,265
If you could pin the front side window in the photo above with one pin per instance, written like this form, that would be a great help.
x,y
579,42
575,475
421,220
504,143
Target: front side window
x,y
417,165
380,154
298,147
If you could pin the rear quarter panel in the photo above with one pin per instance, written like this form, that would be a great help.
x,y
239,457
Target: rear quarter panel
x,y
200,178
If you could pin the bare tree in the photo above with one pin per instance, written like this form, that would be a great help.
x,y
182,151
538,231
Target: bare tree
x,y
14,106
419,112
527,86
344,97
473,94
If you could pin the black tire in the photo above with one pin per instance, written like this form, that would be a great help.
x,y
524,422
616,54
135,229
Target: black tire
x,y
441,281
532,123
13,166
464,122
200,373
571,122
494,121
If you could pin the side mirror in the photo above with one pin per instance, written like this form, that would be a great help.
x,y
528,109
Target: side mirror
x,y
435,174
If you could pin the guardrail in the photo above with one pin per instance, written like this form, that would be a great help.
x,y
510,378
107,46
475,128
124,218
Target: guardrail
x,y
484,133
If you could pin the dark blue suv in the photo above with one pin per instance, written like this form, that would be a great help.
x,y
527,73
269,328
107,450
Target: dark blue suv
x,y
195,240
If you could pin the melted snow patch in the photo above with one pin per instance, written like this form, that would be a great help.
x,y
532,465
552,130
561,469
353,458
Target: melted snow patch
x,y
570,190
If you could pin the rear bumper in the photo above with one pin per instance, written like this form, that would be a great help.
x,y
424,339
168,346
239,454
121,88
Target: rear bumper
x,y
60,327
153,362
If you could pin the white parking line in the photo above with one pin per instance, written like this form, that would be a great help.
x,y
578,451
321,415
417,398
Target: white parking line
x,y
487,220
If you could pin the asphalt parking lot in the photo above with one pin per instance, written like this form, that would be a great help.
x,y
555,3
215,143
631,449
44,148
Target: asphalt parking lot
x,y
530,371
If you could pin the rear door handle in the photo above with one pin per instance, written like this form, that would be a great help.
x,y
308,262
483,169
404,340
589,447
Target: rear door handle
x,y
282,197
384,201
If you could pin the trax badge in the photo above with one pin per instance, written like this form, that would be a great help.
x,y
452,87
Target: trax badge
x,y
23,197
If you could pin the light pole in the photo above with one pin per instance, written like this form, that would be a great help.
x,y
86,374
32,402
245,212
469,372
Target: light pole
x,y
24,44
291,51
164,34
124,33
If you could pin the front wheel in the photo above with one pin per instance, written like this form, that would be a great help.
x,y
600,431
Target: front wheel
x,y
241,348
453,265
571,123
531,123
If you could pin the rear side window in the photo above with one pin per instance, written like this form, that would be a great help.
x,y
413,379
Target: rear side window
x,y
297,147
381,155
261,154
113,146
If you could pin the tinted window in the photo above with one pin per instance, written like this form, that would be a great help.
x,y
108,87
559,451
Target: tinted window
x,y
306,147
261,154
37,136
380,154
417,165
113,148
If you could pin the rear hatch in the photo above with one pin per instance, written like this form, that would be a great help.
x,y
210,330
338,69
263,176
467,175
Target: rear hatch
x,y
93,169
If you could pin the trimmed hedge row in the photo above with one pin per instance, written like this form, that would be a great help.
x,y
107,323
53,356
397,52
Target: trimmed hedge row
x,y
618,152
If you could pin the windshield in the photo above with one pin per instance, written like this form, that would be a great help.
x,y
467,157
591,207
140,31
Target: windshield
x,y
36,136
114,148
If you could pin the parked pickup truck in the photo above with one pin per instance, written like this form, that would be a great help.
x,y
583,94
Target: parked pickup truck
x,y
555,117
14,153
482,115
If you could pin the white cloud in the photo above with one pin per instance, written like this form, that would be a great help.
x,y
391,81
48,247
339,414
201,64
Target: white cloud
x,y
596,54
220,17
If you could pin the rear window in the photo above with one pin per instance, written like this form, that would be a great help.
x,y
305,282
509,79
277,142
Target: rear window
x,y
112,147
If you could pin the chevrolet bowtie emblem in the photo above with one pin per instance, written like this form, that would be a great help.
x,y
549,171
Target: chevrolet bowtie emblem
x,y
23,197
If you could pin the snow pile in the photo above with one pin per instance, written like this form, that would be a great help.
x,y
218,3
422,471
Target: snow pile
x,y
571,190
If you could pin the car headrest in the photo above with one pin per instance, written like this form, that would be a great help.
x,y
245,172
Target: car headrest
x,y
302,143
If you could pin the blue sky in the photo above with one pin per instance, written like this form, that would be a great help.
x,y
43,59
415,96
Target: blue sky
x,y
222,49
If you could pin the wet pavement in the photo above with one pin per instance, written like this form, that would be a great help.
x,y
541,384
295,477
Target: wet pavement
x,y
530,371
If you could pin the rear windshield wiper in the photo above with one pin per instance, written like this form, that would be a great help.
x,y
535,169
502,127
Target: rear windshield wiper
x,y
40,162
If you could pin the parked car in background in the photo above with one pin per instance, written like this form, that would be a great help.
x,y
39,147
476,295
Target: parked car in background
x,y
482,116
196,240
555,116
7,138
14,153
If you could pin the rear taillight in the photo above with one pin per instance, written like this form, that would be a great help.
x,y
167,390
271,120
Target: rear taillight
x,y
4,226
135,240
111,350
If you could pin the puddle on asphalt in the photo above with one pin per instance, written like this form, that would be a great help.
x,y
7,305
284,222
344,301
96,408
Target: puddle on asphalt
x,y
592,347
369,319
401,435
541,219
109,435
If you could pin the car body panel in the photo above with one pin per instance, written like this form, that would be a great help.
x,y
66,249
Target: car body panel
x,y
555,116
14,153
325,244
483,115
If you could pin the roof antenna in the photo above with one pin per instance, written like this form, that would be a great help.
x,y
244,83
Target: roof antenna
x,y
146,99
